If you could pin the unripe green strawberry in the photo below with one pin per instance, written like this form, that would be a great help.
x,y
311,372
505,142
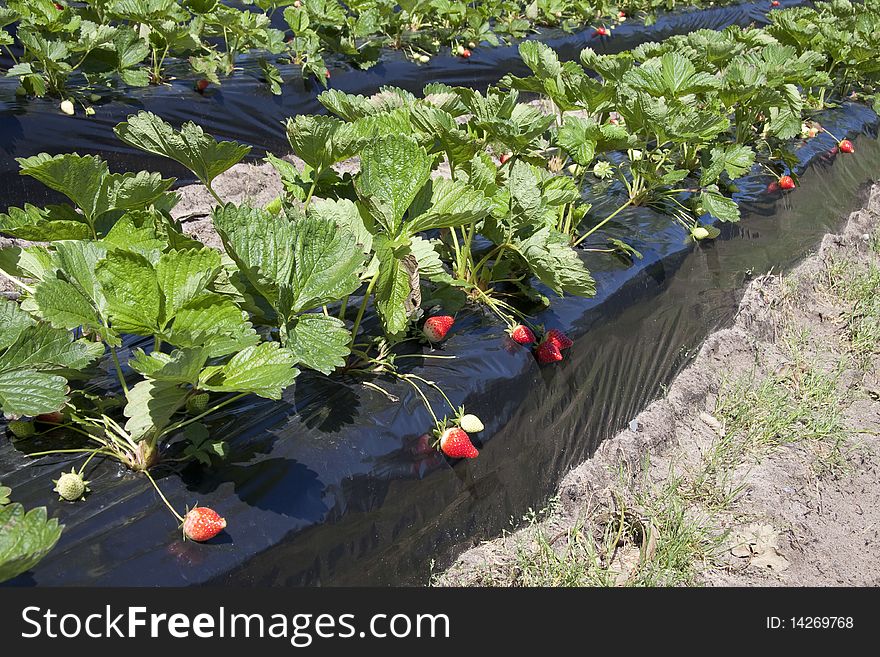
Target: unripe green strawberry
x,y
471,423
70,486
22,428
198,404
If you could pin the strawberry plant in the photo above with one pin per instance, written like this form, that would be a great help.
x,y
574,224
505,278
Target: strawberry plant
x,y
72,47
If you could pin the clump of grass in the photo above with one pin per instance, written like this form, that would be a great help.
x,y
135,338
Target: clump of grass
x,y
860,289
648,538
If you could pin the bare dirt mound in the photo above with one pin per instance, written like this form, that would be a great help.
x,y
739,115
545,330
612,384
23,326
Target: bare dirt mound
x,y
761,466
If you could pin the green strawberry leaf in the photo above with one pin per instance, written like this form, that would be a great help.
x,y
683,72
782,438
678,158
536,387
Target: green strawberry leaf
x,y
430,265
190,146
31,393
577,137
327,264
151,404
212,321
80,178
180,366
41,347
346,215
320,342
54,222
25,538
13,320
320,141
64,305
396,285
736,159
265,370
130,285
393,170
446,203
719,206
184,275
556,264
259,243
136,231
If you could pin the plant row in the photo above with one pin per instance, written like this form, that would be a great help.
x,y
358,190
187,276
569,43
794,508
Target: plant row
x,y
73,49
128,333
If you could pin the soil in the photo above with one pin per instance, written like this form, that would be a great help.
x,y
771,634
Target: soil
x,y
791,523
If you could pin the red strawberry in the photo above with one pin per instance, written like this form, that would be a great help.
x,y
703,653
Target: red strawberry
x,y
456,444
56,417
548,352
785,182
504,157
773,187
201,85
58,6
466,53
327,74
202,524
775,3
601,31
436,328
560,339
621,14
846,146
521,334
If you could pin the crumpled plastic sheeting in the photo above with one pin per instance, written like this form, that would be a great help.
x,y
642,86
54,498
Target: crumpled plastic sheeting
x,y
329,486
243,109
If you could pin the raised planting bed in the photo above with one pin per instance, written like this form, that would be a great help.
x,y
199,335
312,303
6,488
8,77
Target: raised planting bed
x,y
614,221
245,109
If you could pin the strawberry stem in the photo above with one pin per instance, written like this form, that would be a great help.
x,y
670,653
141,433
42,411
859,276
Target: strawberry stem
x,y
362,309
602,223
208,411
162,495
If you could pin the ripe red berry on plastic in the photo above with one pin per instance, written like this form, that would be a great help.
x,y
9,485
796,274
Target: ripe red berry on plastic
x,y
548,352
436,328
775,3
522,334
466,53
327,74
202,524
201,85
456,444
560,339
846,146
786,182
